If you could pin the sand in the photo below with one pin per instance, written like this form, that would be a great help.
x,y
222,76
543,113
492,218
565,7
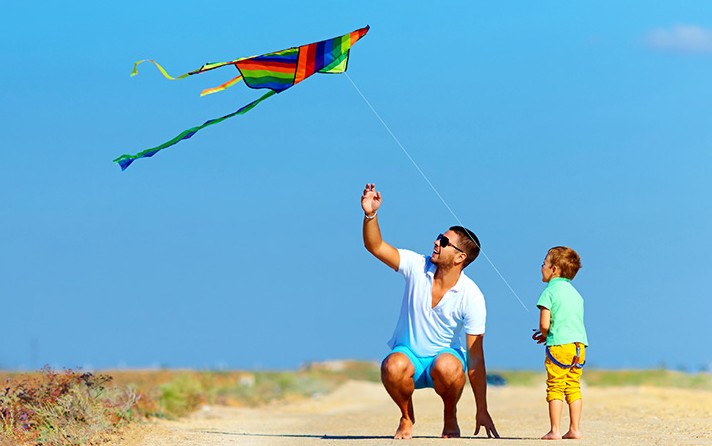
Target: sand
x,y
361,413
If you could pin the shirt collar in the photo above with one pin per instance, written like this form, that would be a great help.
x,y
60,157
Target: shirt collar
x,y
558,279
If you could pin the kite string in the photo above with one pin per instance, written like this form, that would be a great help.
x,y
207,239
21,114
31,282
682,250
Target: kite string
x,y
432,186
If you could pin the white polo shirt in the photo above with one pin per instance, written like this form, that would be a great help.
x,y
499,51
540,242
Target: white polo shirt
x,y
426,330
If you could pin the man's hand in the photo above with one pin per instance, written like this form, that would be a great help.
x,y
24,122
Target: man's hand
x,y
538,336
370,200
483,419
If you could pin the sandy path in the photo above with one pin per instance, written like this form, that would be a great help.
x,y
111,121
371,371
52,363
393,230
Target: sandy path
x,y
361,414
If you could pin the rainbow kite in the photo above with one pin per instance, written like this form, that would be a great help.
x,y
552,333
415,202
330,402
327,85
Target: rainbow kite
x,y
275,71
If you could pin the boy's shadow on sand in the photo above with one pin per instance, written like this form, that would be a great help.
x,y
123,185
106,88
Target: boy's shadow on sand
x,y
346,437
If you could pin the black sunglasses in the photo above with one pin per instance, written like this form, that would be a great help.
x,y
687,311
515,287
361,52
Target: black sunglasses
x,y
445,242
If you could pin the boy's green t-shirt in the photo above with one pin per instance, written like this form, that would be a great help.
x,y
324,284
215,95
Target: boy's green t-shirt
x,y
566,306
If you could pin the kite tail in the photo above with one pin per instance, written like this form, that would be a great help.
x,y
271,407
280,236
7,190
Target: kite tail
x,y
160,68
126,160
206,67
221,87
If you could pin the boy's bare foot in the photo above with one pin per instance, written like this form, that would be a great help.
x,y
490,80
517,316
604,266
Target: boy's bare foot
x,y
405,430
451,429
573,435
552,436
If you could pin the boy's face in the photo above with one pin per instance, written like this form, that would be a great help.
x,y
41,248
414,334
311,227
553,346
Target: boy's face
x,y
548,271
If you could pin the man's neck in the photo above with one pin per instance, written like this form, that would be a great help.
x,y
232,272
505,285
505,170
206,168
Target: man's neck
x,y
447,276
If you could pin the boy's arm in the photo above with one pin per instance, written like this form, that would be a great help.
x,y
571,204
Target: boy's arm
x,y
544,325
478,380
544,321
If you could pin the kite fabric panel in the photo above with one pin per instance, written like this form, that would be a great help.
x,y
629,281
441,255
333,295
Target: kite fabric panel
x,y
275,71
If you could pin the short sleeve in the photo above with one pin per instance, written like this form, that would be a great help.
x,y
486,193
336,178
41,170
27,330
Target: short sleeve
x,y
474,314
409,262
544,300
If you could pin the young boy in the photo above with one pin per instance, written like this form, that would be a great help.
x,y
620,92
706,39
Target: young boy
x,y
561,327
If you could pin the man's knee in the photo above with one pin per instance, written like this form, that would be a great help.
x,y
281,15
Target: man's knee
x,y
447,369
396,365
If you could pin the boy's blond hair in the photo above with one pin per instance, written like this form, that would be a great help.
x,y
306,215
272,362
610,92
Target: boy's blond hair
x,y
566,259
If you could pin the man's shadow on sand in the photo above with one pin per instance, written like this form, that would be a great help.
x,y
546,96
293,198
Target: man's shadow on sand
x,y
345,437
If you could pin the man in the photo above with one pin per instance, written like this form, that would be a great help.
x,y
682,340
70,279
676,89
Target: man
x,y
439,304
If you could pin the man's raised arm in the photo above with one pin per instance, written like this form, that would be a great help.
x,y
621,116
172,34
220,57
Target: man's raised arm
x,y
372,240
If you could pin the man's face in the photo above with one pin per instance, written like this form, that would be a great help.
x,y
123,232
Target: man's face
x,y
445,255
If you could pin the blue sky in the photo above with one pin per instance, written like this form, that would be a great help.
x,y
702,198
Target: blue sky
x,y
540,124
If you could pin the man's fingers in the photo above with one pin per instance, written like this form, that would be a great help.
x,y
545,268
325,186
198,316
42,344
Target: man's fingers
x,y
477,429
371,188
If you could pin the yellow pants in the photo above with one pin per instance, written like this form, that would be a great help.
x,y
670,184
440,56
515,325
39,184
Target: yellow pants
x,y
561,381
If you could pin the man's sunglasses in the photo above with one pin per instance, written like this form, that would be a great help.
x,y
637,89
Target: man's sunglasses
x,y
445,242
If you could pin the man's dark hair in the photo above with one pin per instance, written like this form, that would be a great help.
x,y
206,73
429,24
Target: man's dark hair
x,y
468,243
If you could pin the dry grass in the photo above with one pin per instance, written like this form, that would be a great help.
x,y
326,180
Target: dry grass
x,y
67,408
80,408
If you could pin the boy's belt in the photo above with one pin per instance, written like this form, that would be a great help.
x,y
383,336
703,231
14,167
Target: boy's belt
x,y
564,366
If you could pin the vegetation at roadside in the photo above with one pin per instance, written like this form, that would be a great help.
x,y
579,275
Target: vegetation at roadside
x,y
77,408
74,408
68,408
610,378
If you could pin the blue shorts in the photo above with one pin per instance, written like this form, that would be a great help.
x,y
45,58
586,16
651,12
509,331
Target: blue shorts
x,y
423,364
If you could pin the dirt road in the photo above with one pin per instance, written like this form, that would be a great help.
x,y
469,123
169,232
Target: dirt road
x,y
361,414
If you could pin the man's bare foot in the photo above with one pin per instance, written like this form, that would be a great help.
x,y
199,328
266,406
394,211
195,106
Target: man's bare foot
x,y
405,430
552,436
451,429
451,434
573,435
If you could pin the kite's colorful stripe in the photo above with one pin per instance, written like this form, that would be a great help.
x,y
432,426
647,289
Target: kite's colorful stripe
x,y
276,71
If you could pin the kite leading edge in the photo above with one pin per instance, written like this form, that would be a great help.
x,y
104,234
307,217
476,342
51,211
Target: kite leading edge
x,y
275,71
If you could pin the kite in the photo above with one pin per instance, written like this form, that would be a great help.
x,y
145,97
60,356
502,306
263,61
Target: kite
x,y
275,71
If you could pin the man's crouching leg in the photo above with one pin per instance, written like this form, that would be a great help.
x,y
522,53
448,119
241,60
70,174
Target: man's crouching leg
x,y
397,377
448,381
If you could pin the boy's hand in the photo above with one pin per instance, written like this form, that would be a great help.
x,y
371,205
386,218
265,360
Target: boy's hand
x,y
538,336
575,362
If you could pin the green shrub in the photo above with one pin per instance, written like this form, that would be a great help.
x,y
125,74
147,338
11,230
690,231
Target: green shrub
x,y
181,396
